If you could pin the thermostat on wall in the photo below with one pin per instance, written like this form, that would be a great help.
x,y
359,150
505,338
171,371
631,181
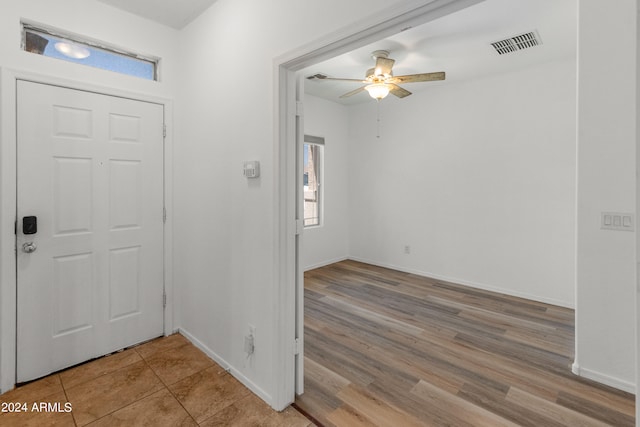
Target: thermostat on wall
x,y
251,169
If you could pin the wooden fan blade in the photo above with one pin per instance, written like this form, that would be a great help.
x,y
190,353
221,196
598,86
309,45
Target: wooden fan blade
x,y
323,77
353,92
412,78
384,66
346,80
398,91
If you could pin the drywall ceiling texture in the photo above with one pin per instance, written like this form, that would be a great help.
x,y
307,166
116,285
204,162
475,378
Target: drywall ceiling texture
x,y
175,14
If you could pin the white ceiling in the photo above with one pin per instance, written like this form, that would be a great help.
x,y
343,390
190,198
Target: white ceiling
x,y
460,45
173,13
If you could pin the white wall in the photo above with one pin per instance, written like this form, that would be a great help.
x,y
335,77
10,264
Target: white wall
x,y
605,287
637,210
478,178
224,224
329,242
87,18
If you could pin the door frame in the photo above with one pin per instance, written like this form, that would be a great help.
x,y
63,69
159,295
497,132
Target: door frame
x,y
8,206
374,27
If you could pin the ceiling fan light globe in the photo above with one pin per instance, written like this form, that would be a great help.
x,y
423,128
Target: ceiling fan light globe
x,y
378,90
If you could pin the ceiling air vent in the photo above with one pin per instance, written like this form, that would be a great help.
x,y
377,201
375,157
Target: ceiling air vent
x,y
515,43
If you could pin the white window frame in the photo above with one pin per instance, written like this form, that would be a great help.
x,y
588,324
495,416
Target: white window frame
x,y
319,142
27,26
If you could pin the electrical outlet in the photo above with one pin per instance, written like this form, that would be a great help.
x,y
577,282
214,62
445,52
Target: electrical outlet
x,y
407,249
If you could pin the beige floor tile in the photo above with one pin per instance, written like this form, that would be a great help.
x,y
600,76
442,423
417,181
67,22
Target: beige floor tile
x,y
124,390
102,366
253,412
208,392
247,412
53,414
34,390
287,418
98,397
158,410
161,344
178,363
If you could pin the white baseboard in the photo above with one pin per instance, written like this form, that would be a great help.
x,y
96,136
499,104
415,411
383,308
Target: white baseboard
x,y
325,263
604,379
471,284
228,367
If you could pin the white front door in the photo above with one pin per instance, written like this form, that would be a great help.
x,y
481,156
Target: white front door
x,y
90,279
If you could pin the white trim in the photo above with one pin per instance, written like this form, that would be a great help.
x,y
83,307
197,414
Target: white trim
x,y
637,270
170,310
8,78
299,239
325,263
603,379
7,234
226,366
374,27
284,310
471,284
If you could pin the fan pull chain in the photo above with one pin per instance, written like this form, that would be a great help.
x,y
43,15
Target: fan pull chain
x,y
378,124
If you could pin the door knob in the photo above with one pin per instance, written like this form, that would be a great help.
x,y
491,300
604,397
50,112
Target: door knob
x,y
29,247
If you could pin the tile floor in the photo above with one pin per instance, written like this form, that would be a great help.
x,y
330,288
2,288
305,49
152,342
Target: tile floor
x,y
165,382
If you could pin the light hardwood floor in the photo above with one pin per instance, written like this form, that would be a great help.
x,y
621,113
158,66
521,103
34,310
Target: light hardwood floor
x,y
387,348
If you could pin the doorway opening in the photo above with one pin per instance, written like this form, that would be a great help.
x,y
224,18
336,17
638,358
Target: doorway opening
x,y
290,124
406,249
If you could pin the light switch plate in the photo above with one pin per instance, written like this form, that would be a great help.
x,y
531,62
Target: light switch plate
x,y
617,221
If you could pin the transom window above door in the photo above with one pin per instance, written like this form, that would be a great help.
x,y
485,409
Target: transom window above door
x,y
55,43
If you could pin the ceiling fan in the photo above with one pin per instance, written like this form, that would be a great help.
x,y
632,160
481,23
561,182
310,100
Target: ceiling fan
x,y
380,81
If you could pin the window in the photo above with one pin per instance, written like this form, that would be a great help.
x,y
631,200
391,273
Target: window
x,y
312,179
56,44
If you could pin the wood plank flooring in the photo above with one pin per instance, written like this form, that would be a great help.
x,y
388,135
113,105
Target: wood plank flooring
x,y
387,348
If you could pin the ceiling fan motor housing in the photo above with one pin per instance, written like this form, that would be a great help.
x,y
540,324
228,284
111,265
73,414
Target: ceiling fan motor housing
x,y
380,54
